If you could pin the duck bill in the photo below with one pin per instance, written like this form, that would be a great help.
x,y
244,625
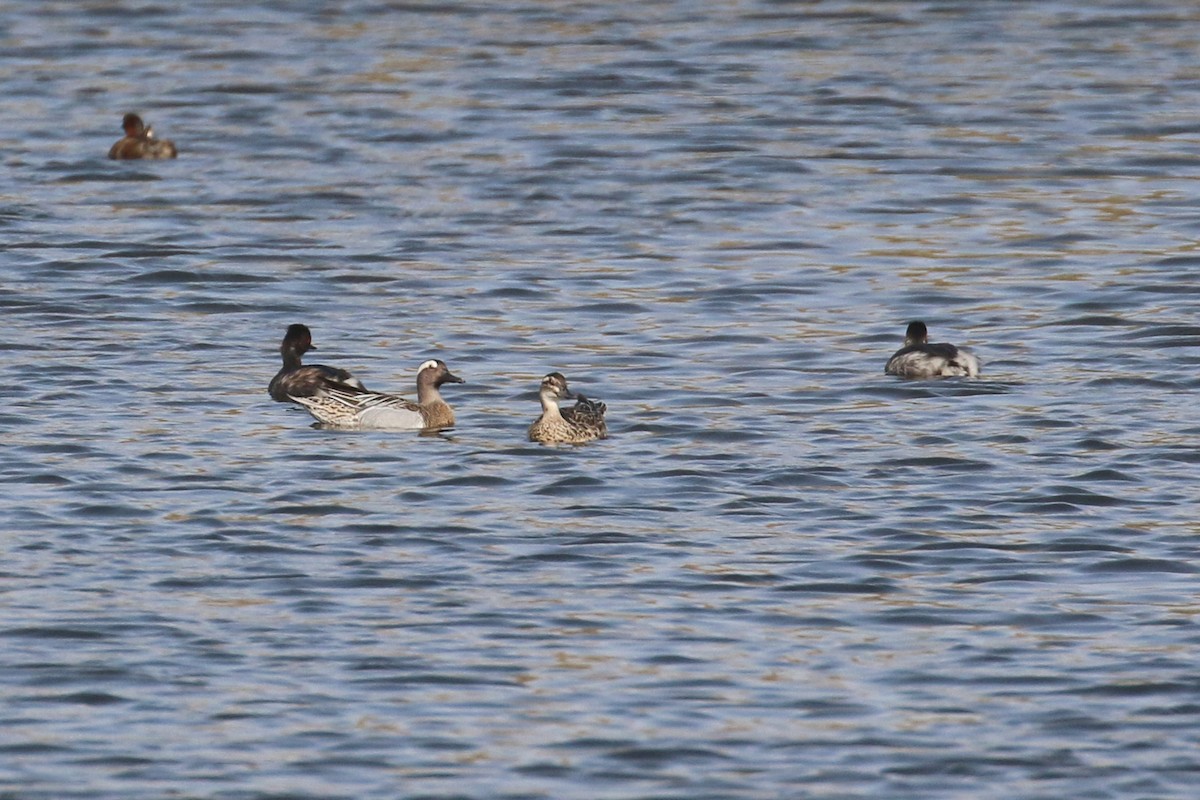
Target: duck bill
x,y
450,377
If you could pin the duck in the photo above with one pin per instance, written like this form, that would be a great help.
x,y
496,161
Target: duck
x,y
582,423
139,142
337,405
920,359
292,375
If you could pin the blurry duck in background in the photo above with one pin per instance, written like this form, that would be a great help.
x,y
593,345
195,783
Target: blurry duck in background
x,y
139,142
920,359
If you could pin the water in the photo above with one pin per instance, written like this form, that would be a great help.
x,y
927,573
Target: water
x,y
784,575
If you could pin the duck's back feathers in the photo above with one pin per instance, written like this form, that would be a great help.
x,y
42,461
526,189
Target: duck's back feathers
x,y
933,361
287,383
131,148
587,412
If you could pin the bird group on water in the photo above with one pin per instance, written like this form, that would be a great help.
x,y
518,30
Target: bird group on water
x,y
337,399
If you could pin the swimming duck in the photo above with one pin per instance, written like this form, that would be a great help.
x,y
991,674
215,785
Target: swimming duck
x,y
296,342
583,423
337,405
139,141
920,359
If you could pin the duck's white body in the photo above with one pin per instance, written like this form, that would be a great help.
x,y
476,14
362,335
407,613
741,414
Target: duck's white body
x,y
934,361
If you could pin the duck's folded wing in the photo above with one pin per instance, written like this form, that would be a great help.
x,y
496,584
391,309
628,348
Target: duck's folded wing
x,y
586,409
374,409
586,419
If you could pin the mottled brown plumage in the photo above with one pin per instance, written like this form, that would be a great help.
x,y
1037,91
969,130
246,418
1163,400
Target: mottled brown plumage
x,y
582,423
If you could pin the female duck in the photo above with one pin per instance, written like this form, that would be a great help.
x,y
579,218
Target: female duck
x,y
583,423
920,359
293,375
337,405
139,141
